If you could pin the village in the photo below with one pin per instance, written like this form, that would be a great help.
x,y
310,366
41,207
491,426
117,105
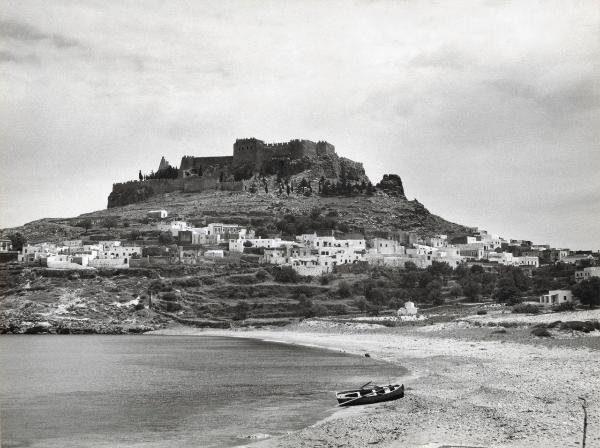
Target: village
x,y
309,254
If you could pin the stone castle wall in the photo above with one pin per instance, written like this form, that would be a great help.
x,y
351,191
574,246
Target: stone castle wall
x,y
250,156
135,191
251,152
205,166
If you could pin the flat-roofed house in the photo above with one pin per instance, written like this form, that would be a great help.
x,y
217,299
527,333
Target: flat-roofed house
x,y
556,297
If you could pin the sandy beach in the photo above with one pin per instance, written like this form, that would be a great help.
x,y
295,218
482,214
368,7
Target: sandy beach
x,y
500,390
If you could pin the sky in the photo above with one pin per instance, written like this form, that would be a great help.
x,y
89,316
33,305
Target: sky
x,y
488,110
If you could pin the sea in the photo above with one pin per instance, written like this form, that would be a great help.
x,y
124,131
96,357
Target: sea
x,y
167,391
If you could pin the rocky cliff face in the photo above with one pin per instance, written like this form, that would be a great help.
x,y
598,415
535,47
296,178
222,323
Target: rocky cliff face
x,y
325,164
391,184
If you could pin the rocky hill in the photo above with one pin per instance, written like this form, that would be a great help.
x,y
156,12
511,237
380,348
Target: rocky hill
x,y
386,210
212,293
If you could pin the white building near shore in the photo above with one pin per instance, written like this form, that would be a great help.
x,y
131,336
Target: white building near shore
x,y
556,297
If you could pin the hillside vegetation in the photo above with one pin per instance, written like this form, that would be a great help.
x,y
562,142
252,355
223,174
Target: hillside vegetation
x,y
370,215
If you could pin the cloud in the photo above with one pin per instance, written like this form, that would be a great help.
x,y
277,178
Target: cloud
x,y
481,107
8,56
14,30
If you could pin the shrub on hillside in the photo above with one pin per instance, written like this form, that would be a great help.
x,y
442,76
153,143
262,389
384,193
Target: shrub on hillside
x,y
456,291
344,289
373,310
261,275
319,310
171,307
481,312
160,285
526,308
187,281
242,279
541,332
286,275
169,296
361,304
576,325
566,306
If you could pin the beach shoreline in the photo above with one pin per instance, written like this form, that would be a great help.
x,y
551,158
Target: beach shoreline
x,y
491,392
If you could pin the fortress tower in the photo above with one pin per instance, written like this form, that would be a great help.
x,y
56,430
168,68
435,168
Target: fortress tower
x,y
256,155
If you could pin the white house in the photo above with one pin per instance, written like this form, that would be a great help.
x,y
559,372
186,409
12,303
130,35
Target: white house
x,y
526,261
386,247
309,266
214,253
119,252
587,273
160,214
448,255
33,252
473,251
216,228
5,245
267,243
437,241
557,297
174,227
576,259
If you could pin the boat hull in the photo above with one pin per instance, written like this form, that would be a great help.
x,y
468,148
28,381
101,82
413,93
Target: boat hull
x,y
371,396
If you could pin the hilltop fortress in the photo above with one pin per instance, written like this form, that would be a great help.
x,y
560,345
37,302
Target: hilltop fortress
x,y
252,158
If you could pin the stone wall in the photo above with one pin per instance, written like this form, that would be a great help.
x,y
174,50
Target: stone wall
x,y
250,157
132,192
205,166
198,184
136,191
103,263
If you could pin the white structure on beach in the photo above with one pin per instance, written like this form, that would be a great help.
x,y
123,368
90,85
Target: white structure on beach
x,y
409,309
557,297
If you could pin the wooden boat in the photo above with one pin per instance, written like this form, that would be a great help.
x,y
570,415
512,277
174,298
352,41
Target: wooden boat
x,y
374,394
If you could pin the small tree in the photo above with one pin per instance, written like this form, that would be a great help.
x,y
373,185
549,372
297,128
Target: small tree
x,y
395,303
86,224
286,275
472,289
165,238
134,234
456,291
506,291
410,266
241,311
361,304
588,291
344,289
110,222
17,240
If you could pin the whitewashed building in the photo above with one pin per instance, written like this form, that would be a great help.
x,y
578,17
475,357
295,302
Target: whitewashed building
x,y
587,273
557,297
157,214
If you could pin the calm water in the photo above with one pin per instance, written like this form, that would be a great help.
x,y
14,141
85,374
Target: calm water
x,y
166,391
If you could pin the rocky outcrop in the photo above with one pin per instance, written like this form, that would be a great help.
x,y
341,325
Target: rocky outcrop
x,y
198,174
391,184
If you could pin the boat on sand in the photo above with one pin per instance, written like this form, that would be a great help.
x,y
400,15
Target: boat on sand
x,y
373,394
